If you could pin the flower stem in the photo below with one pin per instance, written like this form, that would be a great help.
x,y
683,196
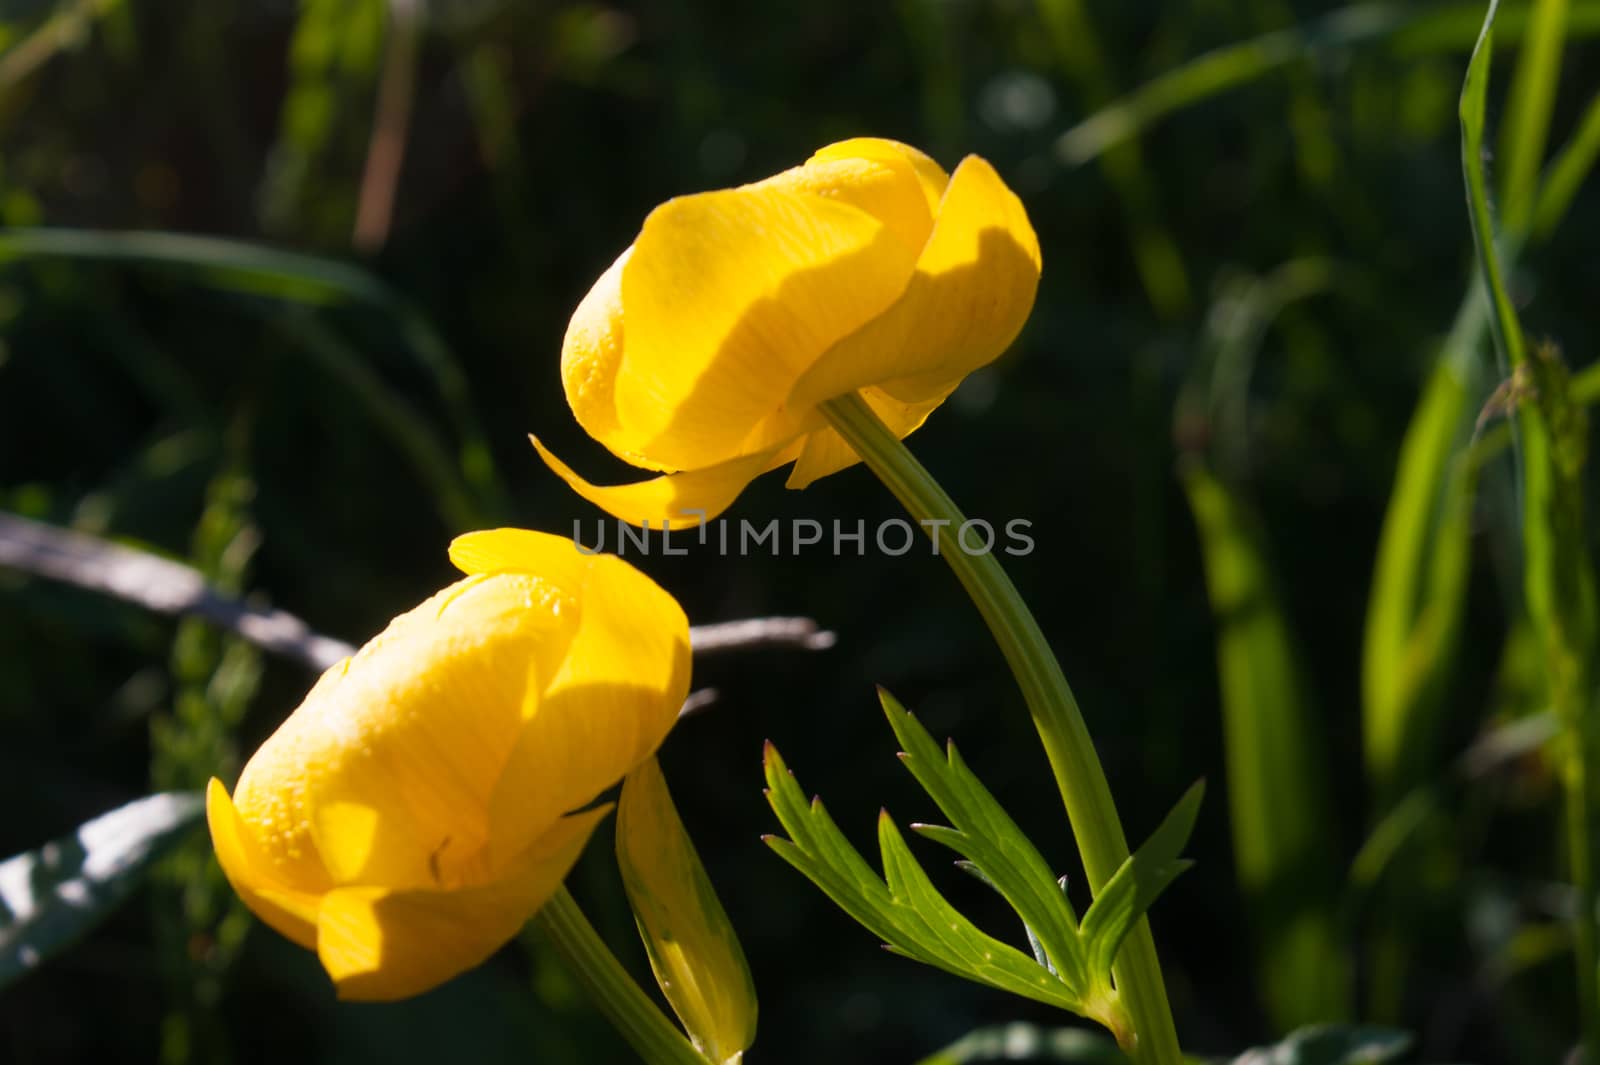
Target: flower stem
x,y
1082,782
656,1039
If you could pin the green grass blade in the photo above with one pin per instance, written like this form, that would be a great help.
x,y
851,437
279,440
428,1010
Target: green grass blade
x,y
1567,171
1558,574
254,269
52,896
1419,582
1411,30
1474,95
1278,800
1527,125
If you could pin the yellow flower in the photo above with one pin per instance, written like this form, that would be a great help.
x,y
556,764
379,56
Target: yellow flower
x,y
703,352
416,809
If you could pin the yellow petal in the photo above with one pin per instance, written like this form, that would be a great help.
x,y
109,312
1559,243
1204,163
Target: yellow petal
x,y
693,948
608,706
414,734
973,288
730,296
674,500
379,945
556,559
889,181
826,452
591,353
929,174
291,912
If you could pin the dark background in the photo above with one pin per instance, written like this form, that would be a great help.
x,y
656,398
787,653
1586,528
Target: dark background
x,y
269,433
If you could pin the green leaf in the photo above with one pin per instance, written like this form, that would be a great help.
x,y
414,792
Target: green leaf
x,y
986,836
1408,28
1474,94
1027,1042
466,488
1278,801
1331,1045
1129,893
1528,109
693,949
902,908
1419,582
52,896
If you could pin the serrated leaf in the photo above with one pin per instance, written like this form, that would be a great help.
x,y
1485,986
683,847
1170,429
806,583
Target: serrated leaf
x,y
1331,1045
903,908
1134,886
986,836
693,949
51,896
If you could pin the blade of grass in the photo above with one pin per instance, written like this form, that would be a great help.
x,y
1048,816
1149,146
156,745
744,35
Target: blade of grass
x,y
1419,580
239,266
1077,46
1567,171
1527,125
1559,583
1277,797
1445,28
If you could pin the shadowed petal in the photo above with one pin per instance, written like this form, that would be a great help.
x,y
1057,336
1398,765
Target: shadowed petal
x,y
973,288
380,944
609,705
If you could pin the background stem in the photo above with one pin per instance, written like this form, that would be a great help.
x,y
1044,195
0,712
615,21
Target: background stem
x,y
1082,782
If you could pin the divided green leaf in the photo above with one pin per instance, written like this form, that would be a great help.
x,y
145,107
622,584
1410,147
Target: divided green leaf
x,y
1071,965
1132,889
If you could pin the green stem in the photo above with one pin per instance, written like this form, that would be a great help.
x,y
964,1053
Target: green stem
x,y
1082,782
655,1038
1581,858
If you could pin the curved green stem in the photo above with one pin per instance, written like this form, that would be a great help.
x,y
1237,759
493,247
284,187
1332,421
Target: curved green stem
x,y
1082,782
656,1039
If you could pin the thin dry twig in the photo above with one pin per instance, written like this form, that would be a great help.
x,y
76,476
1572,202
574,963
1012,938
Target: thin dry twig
x,y
157,584
170,587
391,124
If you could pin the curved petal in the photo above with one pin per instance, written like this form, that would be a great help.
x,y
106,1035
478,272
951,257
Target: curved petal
x,y
826,452
608,706
555,558
591,353
887,180
380,945
291,912
929,174
973,288
673,500
414,734
729,297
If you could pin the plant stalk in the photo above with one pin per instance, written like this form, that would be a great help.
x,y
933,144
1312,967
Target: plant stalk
x,y
1580,855
656,1039
1082,782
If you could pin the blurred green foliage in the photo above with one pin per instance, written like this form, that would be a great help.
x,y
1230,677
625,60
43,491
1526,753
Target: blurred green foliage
x,y
1256,252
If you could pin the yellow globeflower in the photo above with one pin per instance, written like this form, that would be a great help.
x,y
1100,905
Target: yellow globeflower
x,y
703,352
417,808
